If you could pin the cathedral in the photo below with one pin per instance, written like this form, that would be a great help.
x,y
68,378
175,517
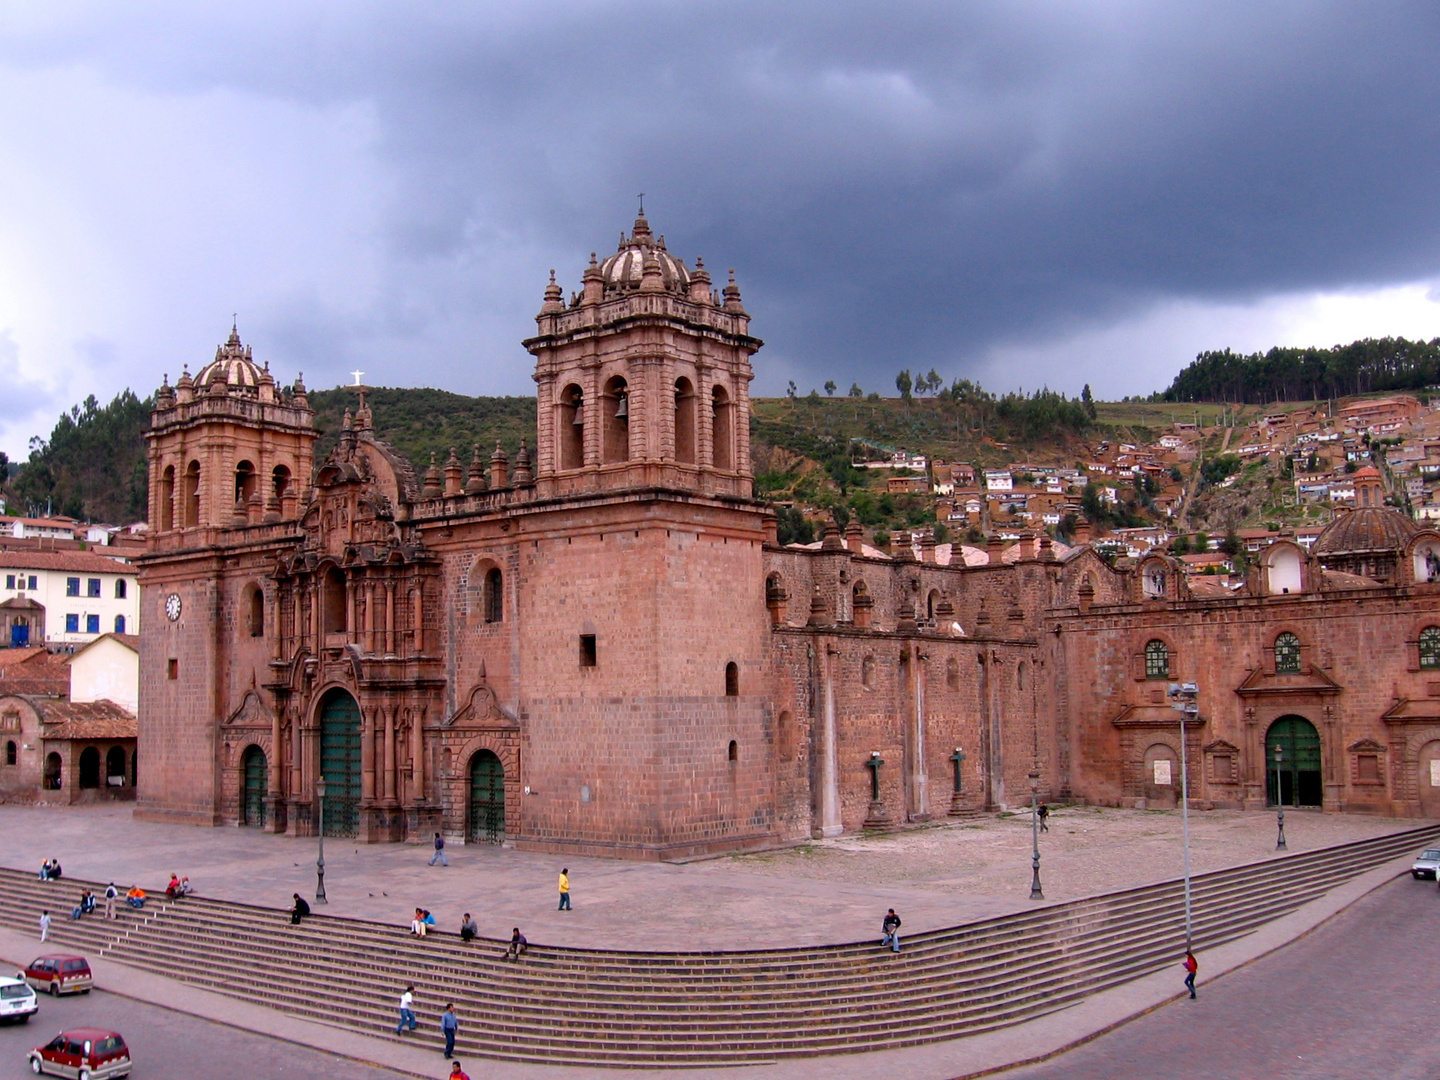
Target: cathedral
x,y
599,646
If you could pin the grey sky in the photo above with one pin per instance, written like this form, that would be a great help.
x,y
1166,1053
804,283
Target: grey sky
x,y
1022,192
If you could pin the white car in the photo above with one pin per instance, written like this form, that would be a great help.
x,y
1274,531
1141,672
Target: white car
x,y
1426,865
17,999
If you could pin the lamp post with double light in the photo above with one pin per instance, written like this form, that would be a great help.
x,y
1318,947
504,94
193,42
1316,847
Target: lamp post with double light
x,y
1279,799
1187,703
320,834
1035,892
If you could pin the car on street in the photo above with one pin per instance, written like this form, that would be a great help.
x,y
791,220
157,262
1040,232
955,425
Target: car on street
x,y
83,1054
59,973
17,999
1426,864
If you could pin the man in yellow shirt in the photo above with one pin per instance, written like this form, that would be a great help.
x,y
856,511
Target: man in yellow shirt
x,y
564,890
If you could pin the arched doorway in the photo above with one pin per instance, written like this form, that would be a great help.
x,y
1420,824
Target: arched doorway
x,y
1162,776
1427,782
20,632
255,781
89,767
115,767
340,762
52,776
487,799
1296,781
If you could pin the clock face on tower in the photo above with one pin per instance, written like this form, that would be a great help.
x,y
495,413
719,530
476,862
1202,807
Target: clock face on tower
x,y
172,606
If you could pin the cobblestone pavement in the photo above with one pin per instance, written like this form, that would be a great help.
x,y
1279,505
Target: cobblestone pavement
x,y
829,891
166,1045
1355,999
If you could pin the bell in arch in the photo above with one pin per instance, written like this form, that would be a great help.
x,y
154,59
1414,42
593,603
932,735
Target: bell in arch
x,y
622,407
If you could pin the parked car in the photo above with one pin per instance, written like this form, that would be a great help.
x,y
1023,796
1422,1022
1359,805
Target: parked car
x,y
59,973
1427,863
83,1054
17,999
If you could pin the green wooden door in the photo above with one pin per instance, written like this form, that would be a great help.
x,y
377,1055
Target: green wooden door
x,y
340,763
257,781
487,799
1296,780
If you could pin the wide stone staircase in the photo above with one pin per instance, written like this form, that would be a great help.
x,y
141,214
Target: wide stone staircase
x,y
664,1009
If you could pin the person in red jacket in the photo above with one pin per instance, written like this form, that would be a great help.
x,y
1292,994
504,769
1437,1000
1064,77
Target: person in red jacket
x,y
457,1073
1191,967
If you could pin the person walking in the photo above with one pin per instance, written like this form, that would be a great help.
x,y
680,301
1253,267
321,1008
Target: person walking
x,y
1044,818
449,1025
44,925
439,855
111,895
407,1011
468,930
1192,966
457,1073
890,928
564,890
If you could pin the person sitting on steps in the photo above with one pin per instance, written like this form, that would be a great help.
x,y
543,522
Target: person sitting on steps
x,y
891,930
135,897
468,930
298,909
518,945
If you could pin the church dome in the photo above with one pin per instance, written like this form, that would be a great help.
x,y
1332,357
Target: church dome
x,y
232,366
623,270
1369,528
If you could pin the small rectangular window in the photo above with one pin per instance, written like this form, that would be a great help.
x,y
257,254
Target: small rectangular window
x,y
92,624
93,587
120,588
33,580
72,624
172,668
587,650
72,586
10,581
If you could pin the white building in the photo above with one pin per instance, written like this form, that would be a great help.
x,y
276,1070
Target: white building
x,y
65,597
108,668
999,480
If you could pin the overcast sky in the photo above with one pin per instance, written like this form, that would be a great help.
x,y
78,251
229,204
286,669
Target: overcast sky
x,y
1023,193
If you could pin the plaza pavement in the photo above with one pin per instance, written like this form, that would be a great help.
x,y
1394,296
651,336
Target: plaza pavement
x,y
825,892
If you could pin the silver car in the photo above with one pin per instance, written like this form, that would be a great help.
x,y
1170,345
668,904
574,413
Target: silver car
x,y
1427,864
17,1000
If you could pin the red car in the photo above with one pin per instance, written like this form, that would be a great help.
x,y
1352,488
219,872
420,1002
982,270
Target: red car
x,y
85,1054
59,973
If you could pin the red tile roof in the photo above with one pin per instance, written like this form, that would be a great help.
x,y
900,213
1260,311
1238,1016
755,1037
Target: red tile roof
x,y
79,561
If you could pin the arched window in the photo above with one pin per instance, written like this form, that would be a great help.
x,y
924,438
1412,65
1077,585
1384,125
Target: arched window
x,y
245,481
192,495
115,766
930,602
1020,674
280,478
867,673
571,435
733,752
167,498
1287,654
1157,660
336,621
254,611
732,679
684,421
1430,647
721,457
616,421
11,752
494,595
119,624
120,589
89,767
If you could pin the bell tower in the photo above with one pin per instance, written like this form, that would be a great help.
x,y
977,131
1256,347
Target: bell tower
x,y
643,378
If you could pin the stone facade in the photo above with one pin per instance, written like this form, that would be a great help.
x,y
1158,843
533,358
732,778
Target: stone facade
x,y
604,650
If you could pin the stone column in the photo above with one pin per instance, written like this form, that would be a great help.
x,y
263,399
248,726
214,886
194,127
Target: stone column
x,y
390,786
367,756
417,757
830,820
389,618
920,778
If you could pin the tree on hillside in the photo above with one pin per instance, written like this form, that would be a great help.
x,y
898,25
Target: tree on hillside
x,y
93,464
1088,401
855,390
903,383
830,387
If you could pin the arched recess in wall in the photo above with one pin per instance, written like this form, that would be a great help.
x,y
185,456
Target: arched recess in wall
x,y
867,673
785,735
732,679
952,673
571,436
280,481
615,410
167,498
191,495
722,456
334,608
253,606
1022,674
246,481
684,421
930,601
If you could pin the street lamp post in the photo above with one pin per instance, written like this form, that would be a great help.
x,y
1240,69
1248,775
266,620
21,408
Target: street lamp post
x,y
320,834
1279,800
1188,706
1035,893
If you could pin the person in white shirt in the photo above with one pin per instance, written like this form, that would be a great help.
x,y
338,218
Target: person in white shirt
x,y
407,1012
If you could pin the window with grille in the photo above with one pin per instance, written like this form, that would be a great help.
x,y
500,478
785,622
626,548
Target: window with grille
x,y
1157,660
1287,655
1430,647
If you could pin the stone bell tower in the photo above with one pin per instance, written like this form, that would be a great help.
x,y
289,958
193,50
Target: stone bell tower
x,y
644,377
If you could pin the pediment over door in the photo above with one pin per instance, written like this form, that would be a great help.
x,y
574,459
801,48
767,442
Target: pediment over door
x,y
1307,684
482,710
1153,716
1416,711
252,713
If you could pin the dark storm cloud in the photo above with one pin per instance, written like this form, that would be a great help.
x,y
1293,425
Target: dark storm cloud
x,y
897,184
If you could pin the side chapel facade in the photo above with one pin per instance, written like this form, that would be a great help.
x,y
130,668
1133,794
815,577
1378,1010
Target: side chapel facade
x,y
601,647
